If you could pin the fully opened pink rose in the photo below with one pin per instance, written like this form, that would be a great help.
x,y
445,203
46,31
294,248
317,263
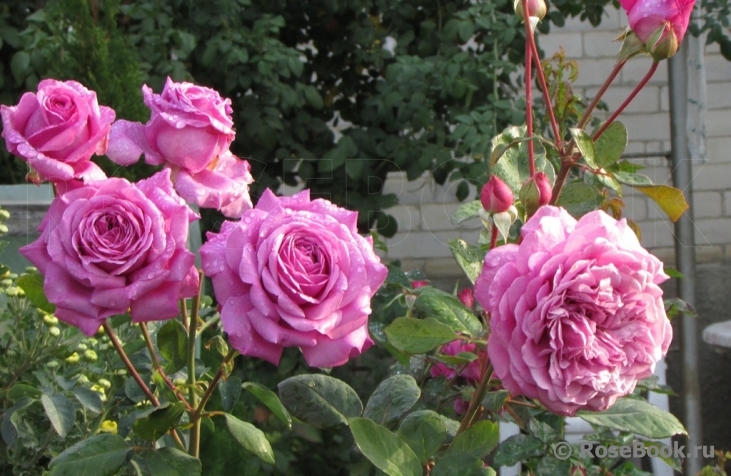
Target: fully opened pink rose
x,y
576,313
294,273
190,131
57,130
666,20
110,246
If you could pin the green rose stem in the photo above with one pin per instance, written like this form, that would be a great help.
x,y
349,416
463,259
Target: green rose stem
x,y
158,367
529,89
629,99
544,88
216,378
476,401
195,431
135,375
184,313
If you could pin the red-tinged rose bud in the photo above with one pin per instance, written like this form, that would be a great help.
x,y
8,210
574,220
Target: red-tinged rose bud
x,y
418,284
496,196
467,297
535,192
536,8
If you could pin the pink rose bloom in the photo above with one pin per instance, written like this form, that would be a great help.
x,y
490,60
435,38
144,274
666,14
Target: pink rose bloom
x,y
57,130
110,246
190,131
647,16
294,273
576,313
471,372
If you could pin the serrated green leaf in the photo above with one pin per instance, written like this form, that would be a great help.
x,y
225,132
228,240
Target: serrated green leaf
x,y
60,411
476,441
161,420
417,336
172,341
101,455
636,416
516,449
230,390
610,145
386,451
271,400
633,179
579,199
586,146
391,399
447,309
461,465
424,431
469,258
320,400
466,211
250,437
513,167
172,462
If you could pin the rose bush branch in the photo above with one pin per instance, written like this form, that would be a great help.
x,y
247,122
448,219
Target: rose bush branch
x,y
628,100
158,367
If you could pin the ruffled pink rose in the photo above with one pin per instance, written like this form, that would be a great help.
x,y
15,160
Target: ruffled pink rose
x,y
668,18
57,130
110,246
190,130
294,273
471,372
576,313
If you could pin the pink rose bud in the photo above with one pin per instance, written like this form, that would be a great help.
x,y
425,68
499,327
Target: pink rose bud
x,y
536,192
536,8
467,297
496,196
660,24
419,284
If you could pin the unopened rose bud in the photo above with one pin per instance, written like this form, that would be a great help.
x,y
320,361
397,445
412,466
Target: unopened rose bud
x,y
496,196
536,8
419,284
535,192
467,297
663,43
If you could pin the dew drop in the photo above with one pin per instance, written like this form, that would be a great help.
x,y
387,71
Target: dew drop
x,y
311,384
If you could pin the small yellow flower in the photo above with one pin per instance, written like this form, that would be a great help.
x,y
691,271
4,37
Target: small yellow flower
x,y
108,426
73,358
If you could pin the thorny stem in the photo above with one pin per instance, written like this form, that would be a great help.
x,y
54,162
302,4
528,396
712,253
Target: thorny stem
x,y
476,401
493,236
158,367
546,92
590,108
529,89
209,391
195,431
629,99
135,375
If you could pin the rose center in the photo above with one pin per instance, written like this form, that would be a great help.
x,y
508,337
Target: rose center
x,y
61,106
112,240
306,266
